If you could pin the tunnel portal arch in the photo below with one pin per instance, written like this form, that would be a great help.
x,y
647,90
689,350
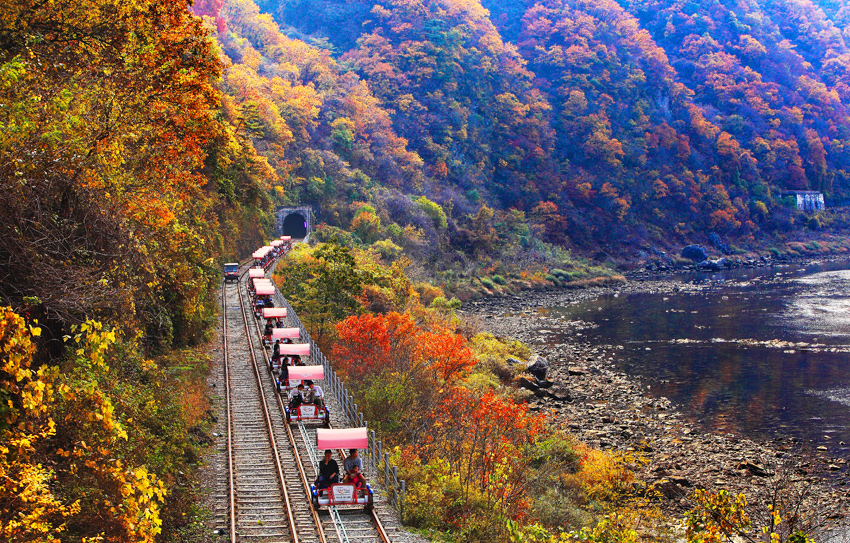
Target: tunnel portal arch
x,y
295,221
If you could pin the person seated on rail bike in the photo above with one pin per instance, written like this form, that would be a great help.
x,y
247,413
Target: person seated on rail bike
x,y
274,359
296,396
296,361
355,478
283,377
328,471
316,395
268,329
353,459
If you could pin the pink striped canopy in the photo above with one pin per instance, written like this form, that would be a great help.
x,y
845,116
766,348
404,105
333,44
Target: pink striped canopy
x,y
281,333
262,281
256,273
286,238
277,243
261,252
264,290
274,313
314,373
301,349
346,438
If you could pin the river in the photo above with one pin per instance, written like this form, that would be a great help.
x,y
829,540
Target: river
x,y
763,353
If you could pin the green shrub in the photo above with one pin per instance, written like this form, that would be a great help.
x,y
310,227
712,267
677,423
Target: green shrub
x,y
394,231
365,208
387,249
488,283
440,302
433,210
565,276
499,280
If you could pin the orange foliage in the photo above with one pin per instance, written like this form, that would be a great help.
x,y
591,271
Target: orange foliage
x,y
393,343
484,440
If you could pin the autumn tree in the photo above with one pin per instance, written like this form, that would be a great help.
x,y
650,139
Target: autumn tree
x,y
323,285
109,109
30,507
398,368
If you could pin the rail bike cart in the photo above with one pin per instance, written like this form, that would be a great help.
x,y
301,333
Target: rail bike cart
x,y
265,284
262,298
287,243
277,247
288,350
252,285
306,412
231,272
254,273
270,257
260,281
287,335
342,494
260,256
273,316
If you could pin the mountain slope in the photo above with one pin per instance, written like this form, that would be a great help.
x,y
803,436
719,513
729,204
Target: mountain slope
x,y
632,120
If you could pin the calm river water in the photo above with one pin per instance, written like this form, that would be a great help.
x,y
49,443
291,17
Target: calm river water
x,y
763,353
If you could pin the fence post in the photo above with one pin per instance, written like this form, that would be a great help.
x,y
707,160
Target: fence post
x,y
401,503
395,486
372,450
387,474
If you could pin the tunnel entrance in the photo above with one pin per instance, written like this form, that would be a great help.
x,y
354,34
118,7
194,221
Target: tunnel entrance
x,y
296,222
295,225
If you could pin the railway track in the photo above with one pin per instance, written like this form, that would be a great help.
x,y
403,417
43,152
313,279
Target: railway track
x,y
258,498
270,462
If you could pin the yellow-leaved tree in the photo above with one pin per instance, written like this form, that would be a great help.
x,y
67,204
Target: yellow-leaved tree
x,y
29,509
96,468
65,470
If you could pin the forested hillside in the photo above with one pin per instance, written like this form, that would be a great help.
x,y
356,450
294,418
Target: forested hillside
x,y
635,120
447,147
122,187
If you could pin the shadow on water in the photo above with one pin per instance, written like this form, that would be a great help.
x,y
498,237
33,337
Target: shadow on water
x,y
762,353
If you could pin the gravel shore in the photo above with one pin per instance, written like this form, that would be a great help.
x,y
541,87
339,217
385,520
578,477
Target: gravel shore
x,y
614,411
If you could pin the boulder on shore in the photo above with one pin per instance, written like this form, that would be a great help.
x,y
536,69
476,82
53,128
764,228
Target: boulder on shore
x,y
697,253
527,384
537,366
714,265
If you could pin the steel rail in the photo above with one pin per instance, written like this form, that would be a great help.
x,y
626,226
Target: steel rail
x,y
228,402
269,425
230,476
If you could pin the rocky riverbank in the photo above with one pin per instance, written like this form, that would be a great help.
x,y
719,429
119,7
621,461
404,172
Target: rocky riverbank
x,y
613,411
